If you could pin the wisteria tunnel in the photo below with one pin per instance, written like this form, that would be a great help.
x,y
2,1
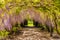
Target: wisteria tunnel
x,y
26,17
30,18
29,15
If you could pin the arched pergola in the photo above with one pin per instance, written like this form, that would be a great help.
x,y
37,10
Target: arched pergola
x,y
28,14
31,14
38,17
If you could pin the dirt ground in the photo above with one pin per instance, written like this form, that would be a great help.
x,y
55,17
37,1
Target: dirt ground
x,y
32,34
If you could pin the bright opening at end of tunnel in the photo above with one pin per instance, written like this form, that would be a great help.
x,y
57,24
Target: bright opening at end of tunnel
x,y
30,23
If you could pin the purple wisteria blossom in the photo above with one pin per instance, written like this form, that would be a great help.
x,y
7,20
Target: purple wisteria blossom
x,y
6,21
1,25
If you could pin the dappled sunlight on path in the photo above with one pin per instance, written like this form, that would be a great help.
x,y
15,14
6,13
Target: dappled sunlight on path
x,y
32,34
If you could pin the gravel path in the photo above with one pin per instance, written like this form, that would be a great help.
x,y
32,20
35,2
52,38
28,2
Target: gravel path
x,y
33,34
